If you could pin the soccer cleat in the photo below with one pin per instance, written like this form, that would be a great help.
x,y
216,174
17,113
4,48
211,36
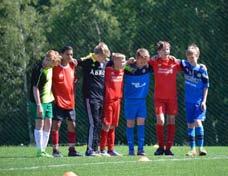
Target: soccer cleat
x,y
39,153
43,154
202,152
92,153
191,153
114,153
56,153
159,151
131,153
141,153
104,153
168,152
73,153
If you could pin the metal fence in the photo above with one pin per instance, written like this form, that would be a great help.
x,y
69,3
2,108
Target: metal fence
x,y
127,26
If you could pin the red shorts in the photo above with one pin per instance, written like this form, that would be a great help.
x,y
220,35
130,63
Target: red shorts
x,y
166,106
112,112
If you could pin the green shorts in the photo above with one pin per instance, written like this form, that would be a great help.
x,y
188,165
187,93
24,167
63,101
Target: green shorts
x,y
47,111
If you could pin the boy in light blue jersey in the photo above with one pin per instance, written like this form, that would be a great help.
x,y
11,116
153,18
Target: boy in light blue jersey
x,y
136,87
196,90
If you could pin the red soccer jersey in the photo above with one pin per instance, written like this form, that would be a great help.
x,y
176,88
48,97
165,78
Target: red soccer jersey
x,y
113,83
63,85
165,72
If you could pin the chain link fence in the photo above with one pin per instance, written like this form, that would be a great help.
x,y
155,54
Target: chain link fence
x,y
126,26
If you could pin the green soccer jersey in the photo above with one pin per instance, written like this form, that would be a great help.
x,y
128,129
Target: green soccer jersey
x,y
42,78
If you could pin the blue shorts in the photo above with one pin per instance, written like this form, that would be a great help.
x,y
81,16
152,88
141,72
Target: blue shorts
x,y
194,112
134,108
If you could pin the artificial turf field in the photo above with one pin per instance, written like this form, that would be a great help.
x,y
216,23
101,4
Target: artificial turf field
x,y
21,161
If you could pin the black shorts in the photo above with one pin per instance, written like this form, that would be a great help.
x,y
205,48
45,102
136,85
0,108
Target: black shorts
x,y
61,114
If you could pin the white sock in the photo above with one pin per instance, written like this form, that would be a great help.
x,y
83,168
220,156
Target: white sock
x,y
45,139
38,134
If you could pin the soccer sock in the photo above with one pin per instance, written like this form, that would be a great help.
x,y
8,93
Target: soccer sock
x,y
55,139
103,141
200,136
111,139
171,128
160,135
45,139
71,138
130,138
141,134
191,137
38,134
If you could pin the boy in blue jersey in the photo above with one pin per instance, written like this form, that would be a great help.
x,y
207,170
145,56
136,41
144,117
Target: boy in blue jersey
x,y
196,90
136,87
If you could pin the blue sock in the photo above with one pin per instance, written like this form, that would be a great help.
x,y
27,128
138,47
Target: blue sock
x,y
191,137
199,136
130,138
141,138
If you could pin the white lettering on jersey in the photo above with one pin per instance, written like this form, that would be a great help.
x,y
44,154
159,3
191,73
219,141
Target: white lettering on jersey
x,y
138,85
165,70
97,72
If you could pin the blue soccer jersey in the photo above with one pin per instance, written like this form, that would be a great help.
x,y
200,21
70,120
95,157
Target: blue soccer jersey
x,y
136,82
196,79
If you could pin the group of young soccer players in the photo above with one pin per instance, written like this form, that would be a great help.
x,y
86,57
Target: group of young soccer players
x,y
105,83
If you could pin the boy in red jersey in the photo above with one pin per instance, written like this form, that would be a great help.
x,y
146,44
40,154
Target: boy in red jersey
x,y
165,69
64,106
112,102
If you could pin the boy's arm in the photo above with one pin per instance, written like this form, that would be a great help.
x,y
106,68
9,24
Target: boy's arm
x,y
36,94
203,104
205,79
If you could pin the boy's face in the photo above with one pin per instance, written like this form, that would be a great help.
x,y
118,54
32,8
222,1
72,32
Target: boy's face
x,y
192,57
165,51
50,63
119,62
142,61
67,55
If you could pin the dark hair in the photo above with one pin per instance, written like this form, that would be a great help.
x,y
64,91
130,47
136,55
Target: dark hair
x,y
65,48
159,45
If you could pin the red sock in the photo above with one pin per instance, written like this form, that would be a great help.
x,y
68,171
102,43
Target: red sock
x,y
71,138
170,135
55,137
160,135
103,140
111,139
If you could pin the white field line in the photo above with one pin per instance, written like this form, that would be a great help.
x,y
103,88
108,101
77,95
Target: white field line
x,y
112,162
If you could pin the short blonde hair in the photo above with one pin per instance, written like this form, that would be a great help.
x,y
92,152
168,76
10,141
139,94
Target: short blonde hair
x,y
53,56
102,48
193,48
142,52
118,55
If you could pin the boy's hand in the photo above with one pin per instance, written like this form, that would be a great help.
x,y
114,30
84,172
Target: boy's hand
x,y
203,106
74,61
39,110
131,60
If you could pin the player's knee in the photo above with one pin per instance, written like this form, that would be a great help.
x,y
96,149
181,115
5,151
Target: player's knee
x,y
130,123
140,121
105,127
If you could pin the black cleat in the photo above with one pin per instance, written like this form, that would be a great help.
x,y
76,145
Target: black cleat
x,y
168,152
159,151
73,153
56,153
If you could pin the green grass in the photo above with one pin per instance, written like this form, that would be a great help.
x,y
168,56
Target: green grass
x,y
21,161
